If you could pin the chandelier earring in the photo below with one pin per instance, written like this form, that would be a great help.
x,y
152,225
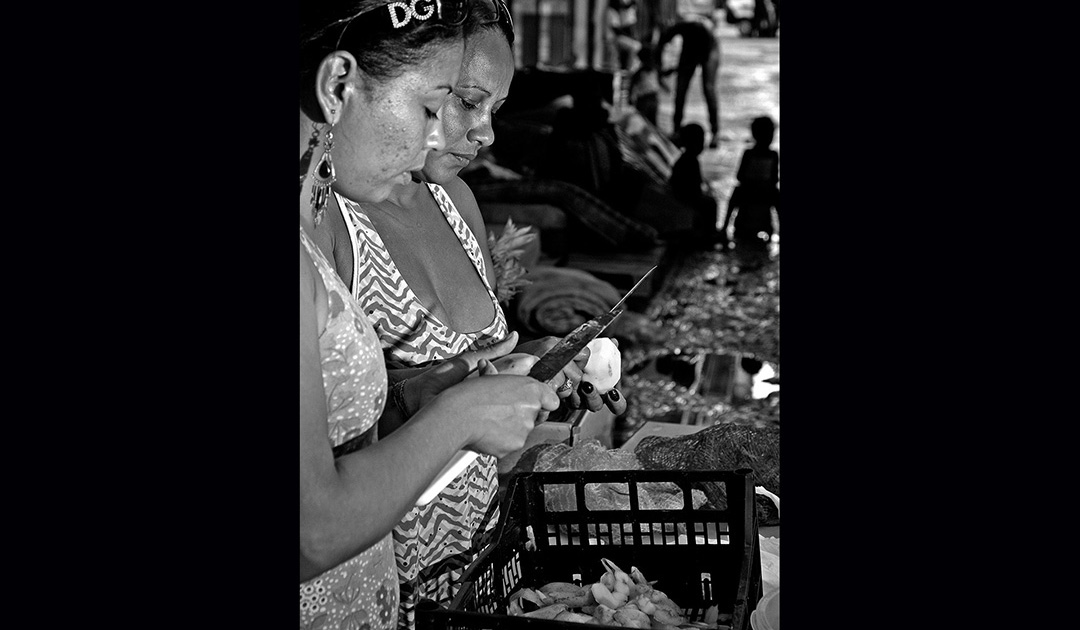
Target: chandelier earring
x,y
323,177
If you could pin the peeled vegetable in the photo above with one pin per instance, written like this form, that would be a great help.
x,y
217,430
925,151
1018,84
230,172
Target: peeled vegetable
x,y
604,368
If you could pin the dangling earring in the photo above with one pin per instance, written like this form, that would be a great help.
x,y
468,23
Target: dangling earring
x,y
305,159
323,176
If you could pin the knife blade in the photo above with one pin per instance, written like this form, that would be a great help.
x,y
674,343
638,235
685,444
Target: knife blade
x,y
636,285
562,353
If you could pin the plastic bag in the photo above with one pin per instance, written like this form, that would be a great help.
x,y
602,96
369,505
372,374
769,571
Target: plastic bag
x,y
590,456
770,552
770,564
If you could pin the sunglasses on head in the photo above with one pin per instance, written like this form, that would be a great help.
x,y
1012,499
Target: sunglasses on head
x,y
407,13
495,12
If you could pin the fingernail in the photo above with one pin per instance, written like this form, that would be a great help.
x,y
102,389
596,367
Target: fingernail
x,y
613,395
586,387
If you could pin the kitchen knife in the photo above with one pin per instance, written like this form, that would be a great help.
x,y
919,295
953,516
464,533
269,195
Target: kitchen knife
x,y
543,370
562,353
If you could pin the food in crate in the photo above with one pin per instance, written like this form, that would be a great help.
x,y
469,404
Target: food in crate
x,y
616,599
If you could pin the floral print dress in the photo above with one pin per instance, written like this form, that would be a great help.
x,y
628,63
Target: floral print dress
x,y
362,592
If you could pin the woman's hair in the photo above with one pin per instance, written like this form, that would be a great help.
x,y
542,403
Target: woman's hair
x,y
480,20
380,54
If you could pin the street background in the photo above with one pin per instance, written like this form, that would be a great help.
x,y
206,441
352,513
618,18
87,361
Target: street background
x,y
749,86
710,306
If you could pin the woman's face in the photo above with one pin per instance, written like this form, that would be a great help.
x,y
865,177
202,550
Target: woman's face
x,y
486,72
385,134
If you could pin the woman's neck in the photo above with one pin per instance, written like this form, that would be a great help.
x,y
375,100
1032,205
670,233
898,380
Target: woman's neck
x,y
403,211
406,196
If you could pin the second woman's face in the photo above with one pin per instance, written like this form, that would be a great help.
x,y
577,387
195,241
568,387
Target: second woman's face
x,y
486,72
386,133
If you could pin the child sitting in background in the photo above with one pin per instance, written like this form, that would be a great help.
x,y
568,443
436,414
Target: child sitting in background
x,y
758,191
689,187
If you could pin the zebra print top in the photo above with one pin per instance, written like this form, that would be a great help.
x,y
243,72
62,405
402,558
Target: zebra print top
x,y
433,544
410,333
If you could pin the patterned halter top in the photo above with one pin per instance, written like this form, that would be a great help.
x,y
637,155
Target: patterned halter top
x,y
435,543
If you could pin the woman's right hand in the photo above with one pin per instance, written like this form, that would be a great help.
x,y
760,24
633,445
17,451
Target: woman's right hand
x,y
499,410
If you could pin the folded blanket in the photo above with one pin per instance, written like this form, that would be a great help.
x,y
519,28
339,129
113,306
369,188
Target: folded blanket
x,y
560,299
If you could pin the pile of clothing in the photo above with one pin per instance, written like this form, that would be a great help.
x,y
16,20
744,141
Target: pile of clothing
x,y
559,299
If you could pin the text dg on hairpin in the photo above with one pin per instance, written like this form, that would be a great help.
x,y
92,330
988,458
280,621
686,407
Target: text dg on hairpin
x,y
409,11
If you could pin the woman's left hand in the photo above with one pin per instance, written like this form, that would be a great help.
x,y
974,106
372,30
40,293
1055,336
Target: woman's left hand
x,y
591,398
578,394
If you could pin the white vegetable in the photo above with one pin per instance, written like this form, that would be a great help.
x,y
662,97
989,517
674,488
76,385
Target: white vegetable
x,y
605,365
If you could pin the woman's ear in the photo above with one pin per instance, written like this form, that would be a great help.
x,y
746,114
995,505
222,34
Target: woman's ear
x,y
338,75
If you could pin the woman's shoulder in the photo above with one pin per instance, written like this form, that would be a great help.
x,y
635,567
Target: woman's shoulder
x,y
464,201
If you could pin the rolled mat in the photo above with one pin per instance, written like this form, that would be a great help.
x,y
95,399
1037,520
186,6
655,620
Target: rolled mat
x,y
560,299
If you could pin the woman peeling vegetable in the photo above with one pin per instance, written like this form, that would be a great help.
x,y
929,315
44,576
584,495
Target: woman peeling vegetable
x,y
419,265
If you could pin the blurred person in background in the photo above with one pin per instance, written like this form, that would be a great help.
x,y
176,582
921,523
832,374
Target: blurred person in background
x,y
700,48
622,21
756,195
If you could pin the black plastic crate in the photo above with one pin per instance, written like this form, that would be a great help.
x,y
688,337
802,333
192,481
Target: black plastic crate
x,y
698,557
